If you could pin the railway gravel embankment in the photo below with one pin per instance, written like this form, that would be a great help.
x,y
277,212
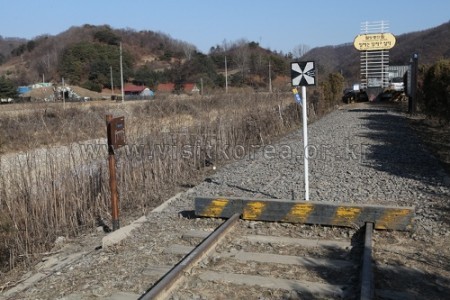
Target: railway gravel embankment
x,y
364,153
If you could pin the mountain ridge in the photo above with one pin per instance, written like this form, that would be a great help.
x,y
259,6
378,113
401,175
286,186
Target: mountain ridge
x,y
26,60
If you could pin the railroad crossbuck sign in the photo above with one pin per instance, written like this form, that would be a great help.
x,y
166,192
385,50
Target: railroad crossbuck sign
x,y
303,73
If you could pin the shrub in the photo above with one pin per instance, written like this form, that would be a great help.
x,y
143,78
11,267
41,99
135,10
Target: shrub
x,y
436,89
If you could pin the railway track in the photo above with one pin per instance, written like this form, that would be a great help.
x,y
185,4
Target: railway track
x,y
266,256
241,259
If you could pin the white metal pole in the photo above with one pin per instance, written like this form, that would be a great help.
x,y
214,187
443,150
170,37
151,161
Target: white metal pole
x,y
305,142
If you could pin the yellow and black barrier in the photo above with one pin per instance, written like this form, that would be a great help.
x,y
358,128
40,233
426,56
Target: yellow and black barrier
x,y
308,212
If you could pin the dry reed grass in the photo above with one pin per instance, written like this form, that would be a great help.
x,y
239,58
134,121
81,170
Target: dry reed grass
x,y
63,191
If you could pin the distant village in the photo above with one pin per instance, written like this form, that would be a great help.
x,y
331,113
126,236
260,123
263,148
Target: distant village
x,y
49,92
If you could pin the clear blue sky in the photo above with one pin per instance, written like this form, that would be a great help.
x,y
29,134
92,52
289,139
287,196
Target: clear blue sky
x,y
278,25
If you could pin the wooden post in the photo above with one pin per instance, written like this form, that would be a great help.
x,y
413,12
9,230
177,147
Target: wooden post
x,y
112,178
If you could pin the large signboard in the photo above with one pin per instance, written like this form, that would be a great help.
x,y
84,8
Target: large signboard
x,y
374,41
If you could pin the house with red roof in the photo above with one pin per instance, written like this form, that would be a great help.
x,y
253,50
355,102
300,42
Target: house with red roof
x,y
165,87
188,88
131,89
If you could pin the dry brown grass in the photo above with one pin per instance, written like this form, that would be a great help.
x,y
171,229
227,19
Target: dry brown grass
x,y
62,191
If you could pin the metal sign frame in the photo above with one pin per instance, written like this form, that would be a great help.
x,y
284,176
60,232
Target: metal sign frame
x,y
374,63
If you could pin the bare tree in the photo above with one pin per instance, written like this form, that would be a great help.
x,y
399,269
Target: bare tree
x,y
225,45
242,55
188,50
300,50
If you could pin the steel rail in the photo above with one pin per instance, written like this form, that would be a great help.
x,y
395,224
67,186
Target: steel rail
x,y
164,286
367,284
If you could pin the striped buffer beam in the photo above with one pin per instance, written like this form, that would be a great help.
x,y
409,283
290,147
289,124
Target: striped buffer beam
x,y
307,212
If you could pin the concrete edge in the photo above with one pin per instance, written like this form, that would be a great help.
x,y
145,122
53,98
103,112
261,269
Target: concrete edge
x,y
166,203
124,232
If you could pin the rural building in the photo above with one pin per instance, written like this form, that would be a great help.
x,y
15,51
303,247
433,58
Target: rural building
x,y
137,92
189,88
23,89
131,89
147,92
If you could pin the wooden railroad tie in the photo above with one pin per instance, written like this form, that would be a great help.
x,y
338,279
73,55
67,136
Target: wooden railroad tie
x,y
307,212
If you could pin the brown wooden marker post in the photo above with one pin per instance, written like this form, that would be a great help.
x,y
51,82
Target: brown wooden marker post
x,y
116,138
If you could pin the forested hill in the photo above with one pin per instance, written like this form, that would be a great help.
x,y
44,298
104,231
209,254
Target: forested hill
x,y
80,53
87,55
7,45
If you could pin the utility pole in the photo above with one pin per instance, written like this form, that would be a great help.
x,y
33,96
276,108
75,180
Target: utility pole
x,y
121,74
226,76
270,79
112,82
201,86
64,94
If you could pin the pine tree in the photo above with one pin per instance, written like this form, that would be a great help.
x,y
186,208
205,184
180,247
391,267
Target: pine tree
x,y
7,88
